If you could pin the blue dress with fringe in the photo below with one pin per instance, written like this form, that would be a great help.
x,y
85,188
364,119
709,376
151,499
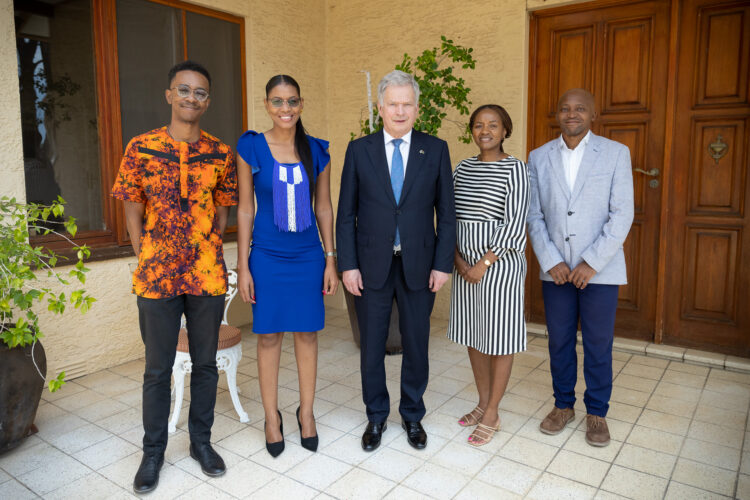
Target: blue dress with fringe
x,y
286,258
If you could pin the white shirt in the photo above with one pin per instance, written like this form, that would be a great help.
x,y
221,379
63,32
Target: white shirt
x,y
571,158
403,147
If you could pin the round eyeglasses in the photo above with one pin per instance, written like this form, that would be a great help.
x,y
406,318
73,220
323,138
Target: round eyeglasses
x,y
183,91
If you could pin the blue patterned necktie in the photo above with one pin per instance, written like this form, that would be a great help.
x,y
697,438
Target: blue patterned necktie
x,y
397,178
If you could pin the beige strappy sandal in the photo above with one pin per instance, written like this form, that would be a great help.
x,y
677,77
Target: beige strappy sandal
x,y
483,434
471,418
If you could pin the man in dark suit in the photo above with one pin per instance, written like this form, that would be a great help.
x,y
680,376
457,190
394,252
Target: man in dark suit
x,y
395,184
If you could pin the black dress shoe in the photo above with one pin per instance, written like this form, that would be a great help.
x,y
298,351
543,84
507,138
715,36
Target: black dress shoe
x,y
147,477
415,434
373,434
308,443
275,449
211,463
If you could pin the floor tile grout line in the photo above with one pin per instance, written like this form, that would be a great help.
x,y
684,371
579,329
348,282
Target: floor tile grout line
x,y
742,448
550,462
599,488
685,437
514,434
625,439
66,454
528,418
453,361
425,461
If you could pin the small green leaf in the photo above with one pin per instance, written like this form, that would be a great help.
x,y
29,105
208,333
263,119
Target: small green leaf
x,y
56,383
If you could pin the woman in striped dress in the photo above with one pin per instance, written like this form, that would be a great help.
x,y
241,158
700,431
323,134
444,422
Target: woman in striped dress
x,y
486,313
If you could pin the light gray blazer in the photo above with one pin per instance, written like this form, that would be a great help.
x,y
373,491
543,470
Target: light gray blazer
x,y
592,222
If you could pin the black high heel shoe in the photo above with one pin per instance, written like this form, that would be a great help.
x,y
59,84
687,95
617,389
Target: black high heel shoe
x,y
309,443
275,449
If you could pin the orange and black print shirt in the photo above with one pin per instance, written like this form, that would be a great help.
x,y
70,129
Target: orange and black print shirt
x,y
181,184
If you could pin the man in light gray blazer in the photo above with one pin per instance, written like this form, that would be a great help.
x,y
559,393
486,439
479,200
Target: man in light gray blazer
x,y
580,214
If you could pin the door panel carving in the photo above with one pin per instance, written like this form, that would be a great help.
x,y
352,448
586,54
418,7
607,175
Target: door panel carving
x,y
576,48
711,260
706,232
722,73
708,237
628,65
716,183
620,53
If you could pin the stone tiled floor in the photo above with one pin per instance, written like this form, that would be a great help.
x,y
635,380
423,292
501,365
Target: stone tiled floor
x,y
679,431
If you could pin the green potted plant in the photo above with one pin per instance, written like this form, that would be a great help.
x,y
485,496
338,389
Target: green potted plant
x,y
440,90
23,363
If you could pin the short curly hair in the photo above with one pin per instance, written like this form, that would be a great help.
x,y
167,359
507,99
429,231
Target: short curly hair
x,y
187,66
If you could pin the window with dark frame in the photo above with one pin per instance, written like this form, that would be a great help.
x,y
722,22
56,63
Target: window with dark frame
x,y
92,75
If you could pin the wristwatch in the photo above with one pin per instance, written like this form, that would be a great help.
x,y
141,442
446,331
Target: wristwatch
x,y
330,254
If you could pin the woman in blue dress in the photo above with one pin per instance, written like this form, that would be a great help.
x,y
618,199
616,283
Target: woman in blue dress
x,y
287,273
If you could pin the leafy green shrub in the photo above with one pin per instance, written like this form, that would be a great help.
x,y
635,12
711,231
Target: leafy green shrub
x,y
20,265
439,87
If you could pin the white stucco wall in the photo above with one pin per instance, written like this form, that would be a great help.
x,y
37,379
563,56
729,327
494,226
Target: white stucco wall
x,y
108,334
11,149
324,49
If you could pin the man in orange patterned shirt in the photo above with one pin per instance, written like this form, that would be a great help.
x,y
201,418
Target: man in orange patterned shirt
x,y
177,183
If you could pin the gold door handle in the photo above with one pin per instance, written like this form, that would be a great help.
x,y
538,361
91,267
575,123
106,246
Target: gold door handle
x,y
654,172
718,149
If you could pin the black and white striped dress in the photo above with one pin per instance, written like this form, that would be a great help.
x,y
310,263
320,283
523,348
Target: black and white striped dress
x,y
492,200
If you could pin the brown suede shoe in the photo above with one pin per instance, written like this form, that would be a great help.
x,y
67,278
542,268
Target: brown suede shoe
x,y
597,432
555,422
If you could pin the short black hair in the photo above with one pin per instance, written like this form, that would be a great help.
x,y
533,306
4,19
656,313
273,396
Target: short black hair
x,y
187,66
504,119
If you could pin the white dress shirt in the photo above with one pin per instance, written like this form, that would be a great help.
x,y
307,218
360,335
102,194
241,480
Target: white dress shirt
x,y
571,159
404,148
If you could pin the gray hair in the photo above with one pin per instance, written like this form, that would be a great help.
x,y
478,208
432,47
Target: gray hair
x,y
397,78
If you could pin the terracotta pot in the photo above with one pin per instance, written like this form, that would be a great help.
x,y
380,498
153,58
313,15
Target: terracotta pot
x,y
20,391
393,343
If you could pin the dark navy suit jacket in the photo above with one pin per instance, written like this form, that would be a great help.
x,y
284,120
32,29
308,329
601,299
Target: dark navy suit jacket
x,y
368,212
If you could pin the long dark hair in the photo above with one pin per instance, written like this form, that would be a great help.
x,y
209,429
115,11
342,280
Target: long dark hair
x,y
504,119
301,145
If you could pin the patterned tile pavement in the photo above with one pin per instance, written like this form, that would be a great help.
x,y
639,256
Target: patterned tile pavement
x,y
679,431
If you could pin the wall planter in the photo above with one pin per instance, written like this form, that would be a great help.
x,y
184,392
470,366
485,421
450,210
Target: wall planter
x,y
23,364
20,391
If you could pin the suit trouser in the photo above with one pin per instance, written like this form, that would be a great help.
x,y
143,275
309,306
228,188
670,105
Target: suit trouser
x,y
595,305
160,326
373,315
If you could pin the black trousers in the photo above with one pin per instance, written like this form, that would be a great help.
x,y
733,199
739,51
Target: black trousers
x,y
373,316
160,326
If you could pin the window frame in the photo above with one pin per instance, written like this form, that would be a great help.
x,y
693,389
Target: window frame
x,y
114,241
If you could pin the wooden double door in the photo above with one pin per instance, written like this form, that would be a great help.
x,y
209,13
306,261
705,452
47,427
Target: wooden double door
x,y
671,80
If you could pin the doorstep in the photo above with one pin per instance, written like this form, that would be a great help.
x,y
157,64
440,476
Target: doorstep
x,y
684,354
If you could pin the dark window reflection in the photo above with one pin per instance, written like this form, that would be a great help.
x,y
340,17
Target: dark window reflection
x,y
151,40
58,107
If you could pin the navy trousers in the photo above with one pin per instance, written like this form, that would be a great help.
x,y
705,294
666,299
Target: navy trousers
x,y
373,317
595,306
160,327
